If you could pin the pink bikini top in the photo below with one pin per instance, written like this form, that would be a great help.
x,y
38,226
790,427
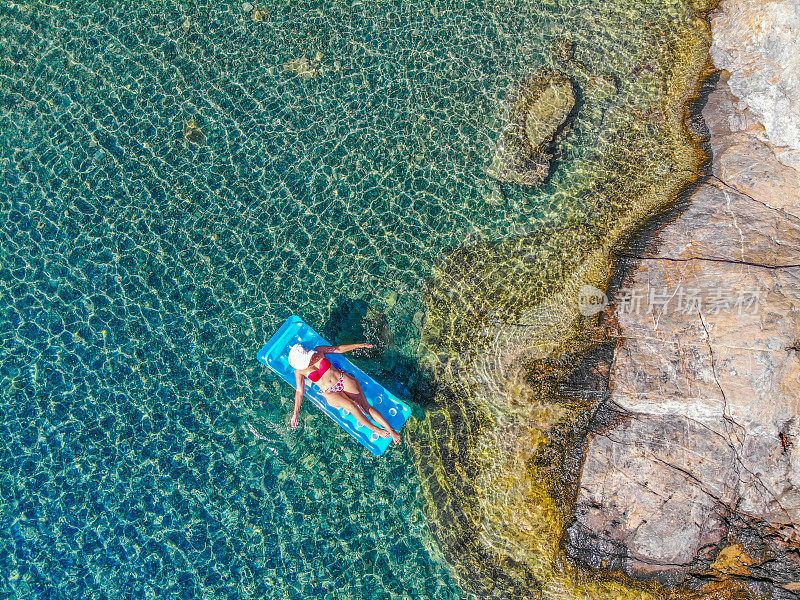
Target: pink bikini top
x,y
324,365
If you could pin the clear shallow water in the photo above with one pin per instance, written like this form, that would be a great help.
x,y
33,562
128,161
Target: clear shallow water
x,y
141,271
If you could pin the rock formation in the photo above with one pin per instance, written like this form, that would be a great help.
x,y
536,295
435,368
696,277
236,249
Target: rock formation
x,y
193,133
534,115
499,451
757,41
704,445
707,374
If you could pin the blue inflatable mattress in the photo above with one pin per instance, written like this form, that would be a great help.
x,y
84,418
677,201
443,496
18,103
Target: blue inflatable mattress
x,y
296,331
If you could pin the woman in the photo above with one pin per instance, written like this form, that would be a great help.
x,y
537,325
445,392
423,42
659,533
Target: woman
x,y
339,388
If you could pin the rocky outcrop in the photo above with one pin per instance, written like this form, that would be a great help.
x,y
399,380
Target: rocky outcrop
x,y
500,447
534,115
707,373
757,42
703,445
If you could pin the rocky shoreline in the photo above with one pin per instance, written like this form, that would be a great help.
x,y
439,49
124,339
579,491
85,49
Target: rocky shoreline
x,y
706,375
706,372
685,472
500,447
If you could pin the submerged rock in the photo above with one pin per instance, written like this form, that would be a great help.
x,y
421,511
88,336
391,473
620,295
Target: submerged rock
x,y
304,67
534,115
710,386
193,133
564,50
259,15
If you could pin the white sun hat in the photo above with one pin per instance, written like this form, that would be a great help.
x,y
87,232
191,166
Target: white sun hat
x,y
300,356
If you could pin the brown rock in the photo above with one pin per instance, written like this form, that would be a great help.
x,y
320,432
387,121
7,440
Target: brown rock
x,y
708,368
643,494
793,586
757,42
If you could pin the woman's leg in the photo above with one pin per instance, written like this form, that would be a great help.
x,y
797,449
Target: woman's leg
x,y
373,412
342,400
353,389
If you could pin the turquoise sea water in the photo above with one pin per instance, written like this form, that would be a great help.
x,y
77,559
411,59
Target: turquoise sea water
x,y
177,179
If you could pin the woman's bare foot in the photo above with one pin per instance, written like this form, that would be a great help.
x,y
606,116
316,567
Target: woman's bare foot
x,y
396,437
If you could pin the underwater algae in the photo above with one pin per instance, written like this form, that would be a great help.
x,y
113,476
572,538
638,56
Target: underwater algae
x,y
499,454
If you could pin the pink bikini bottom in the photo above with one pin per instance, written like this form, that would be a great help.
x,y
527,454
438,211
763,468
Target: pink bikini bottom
x,y
338,386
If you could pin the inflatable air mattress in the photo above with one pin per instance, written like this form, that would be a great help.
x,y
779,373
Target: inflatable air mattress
x,y
296,331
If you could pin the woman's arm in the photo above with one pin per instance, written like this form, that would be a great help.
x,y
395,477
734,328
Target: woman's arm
x,y
300,389
341,349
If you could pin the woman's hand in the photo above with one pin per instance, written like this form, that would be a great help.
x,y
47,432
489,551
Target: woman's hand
x,y
295,420
365,345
